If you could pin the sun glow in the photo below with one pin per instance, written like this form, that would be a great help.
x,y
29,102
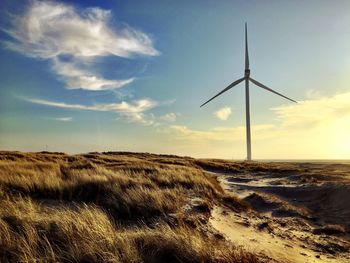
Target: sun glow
x,y
341,141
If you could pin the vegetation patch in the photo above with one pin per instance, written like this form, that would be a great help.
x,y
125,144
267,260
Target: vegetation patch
x,y
111,207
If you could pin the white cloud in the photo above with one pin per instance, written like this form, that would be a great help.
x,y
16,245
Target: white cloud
x,y
131,112
139,117
223,113
76,77
169,117
64,119
122,107
50,30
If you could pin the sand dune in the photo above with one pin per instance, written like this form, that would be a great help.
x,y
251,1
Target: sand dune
x,y
140,207
302,215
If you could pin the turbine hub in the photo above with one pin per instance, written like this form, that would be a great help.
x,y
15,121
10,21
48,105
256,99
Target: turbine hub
x,y
247,73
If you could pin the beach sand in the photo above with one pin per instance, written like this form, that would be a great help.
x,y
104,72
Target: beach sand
x,y
300,211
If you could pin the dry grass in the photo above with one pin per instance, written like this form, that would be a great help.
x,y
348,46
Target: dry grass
x,y
112,207
252,167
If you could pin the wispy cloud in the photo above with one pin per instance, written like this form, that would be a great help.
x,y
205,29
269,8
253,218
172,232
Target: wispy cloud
x,y
169,117
223,113
76,77
313,94
52,30
122,107
220,133
131,112
64,119
139,117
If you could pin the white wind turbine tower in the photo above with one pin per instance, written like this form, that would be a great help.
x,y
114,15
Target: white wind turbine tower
x,y
247,78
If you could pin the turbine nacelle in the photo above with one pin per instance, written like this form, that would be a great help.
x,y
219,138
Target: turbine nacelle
x,y
247,74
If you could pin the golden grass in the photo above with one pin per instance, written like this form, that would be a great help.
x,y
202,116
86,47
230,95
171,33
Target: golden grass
x,y
112,207
239,166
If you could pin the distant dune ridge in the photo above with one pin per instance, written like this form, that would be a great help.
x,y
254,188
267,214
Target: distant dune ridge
x,y
141,207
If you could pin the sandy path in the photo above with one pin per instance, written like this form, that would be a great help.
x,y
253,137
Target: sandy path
x,y
286,236
278,249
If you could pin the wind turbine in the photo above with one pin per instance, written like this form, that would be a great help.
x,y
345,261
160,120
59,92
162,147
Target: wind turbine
x,y
247,78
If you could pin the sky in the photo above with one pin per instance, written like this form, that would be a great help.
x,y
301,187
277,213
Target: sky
x,y
82,76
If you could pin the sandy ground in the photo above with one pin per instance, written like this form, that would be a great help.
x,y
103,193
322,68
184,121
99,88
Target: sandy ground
x,y
297,216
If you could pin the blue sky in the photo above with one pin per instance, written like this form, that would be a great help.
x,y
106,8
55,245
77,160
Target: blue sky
x,y
81,76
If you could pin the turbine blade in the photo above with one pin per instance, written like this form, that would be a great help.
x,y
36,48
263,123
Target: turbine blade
x,y
271,90
225,89
246,48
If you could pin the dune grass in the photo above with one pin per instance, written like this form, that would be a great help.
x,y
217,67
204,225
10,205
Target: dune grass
x,y
112,207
